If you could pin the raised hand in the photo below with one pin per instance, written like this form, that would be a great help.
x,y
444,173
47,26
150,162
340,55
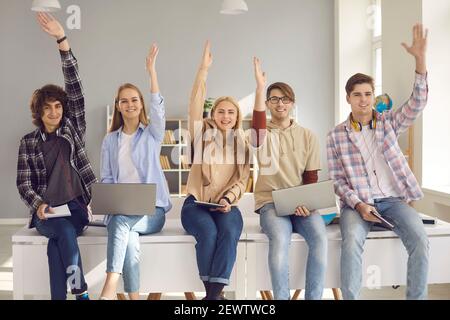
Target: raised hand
x,y
260,76
50,25
261,81
207,56
419,45
151,58
418,48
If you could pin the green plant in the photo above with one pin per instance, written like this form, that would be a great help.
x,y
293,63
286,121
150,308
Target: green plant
x,y
207,106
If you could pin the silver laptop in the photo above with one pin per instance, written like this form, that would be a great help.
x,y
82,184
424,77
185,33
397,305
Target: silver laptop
x,y
315,196
123,198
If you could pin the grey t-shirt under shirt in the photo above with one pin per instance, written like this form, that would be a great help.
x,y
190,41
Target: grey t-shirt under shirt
x,y
63,182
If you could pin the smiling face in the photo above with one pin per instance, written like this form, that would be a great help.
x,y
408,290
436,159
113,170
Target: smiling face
x,y
361,100
129,103
279,109
52,113
225,115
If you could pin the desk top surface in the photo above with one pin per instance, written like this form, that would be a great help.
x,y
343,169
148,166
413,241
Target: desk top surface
x,y
174,232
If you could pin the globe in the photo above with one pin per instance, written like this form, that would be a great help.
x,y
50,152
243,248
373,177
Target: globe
x,y
383,102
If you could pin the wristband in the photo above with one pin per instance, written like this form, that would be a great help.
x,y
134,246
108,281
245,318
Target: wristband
x,y
61,40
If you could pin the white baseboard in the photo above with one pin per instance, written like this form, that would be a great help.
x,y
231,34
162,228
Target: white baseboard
x,y
21,221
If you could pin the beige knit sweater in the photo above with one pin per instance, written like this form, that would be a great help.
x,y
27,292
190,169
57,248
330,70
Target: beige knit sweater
x,y
211,178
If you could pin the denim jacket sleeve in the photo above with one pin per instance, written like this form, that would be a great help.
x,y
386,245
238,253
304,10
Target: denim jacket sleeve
x,y
157,125
106,175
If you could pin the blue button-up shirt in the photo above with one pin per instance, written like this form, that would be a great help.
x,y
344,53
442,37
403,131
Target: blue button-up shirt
x,y
146,147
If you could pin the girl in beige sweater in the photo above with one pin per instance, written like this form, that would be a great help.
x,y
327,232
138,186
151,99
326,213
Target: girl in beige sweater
x,y
219,174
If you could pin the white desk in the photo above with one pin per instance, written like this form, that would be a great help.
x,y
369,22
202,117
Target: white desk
x,y
384,258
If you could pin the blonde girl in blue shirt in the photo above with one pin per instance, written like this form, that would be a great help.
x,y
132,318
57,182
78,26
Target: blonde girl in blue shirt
x,y
130,154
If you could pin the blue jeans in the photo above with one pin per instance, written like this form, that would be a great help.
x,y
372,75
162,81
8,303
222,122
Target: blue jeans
x,y
217,236
279,231
410,229
64,259
123,244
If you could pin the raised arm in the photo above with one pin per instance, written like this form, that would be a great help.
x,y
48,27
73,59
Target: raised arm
x,y
151,68
259,109
72,80
418,48
404,116
198,93
53,28
157,110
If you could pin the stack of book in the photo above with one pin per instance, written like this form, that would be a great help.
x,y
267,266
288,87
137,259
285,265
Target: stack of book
x,y
165,163
184,162
169,137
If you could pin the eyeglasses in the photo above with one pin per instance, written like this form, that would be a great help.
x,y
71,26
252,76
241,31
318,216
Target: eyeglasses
x,y
276,100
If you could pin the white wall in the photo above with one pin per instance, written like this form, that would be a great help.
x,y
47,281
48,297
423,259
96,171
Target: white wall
x,y
398,66
432,130
294,39
353,47
436,118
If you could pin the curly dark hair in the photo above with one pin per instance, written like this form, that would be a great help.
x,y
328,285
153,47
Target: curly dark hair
x,y
48,93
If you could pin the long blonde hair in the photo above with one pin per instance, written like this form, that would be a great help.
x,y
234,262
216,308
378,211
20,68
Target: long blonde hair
x,y
117,120
231,100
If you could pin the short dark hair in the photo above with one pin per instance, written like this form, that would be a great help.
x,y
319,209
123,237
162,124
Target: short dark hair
x,y
283,87
48,93
358,78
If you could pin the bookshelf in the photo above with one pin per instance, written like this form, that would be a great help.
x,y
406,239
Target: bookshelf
x,y
173,155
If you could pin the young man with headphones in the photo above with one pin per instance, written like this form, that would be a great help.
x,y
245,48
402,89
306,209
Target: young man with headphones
x,y
53,169
371,174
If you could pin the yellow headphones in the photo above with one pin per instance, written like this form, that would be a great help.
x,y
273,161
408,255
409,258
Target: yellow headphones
x,y
357,126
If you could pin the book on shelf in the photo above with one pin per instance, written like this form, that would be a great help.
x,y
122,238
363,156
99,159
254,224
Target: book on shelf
x,y
166,159
249,185
184,162
169,137
165,163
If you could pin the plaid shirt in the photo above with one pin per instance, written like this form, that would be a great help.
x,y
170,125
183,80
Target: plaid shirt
x,y
31,172
345,162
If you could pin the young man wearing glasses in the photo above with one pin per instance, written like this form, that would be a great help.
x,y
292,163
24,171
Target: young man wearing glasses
x,y
288,156
373,177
